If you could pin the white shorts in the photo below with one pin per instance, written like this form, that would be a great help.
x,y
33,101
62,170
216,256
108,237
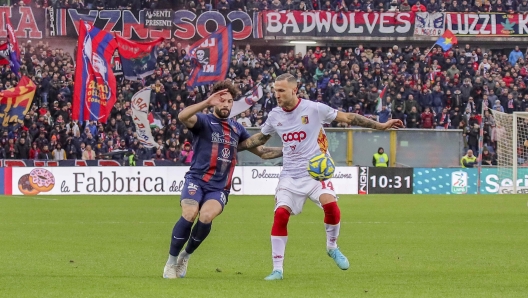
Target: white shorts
x,y
294,192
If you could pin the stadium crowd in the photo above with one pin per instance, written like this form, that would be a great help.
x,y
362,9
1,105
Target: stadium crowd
x,y
425,90
224,6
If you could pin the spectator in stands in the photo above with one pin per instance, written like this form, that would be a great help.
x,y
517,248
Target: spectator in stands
x,y
58,153
45,154
515,55
22,149
245,121
10,149
487,157
88,153
187,153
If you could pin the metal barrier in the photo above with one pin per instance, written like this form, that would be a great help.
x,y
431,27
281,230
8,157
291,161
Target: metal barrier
x,y
405,147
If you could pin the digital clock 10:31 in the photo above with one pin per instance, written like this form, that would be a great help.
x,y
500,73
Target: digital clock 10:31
x,y
385,180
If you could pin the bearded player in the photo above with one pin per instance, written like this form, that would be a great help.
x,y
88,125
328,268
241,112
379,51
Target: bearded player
x,y
208,182
299,124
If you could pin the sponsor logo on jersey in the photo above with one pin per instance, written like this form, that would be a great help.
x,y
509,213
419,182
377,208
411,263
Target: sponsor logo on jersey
x,y
279,124
298,136
293,147
220,138
192,188
226,154
304,119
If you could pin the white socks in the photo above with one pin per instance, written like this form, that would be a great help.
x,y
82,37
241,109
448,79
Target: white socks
x,y
278,246
332,231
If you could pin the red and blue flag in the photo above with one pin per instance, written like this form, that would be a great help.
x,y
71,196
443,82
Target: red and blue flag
x,y
447,40
14,50
210,57
95,84
137,58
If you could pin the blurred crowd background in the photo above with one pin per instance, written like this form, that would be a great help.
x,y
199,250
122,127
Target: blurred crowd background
x,y
426,89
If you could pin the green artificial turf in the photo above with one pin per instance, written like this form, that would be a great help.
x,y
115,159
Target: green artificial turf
x,y
398,246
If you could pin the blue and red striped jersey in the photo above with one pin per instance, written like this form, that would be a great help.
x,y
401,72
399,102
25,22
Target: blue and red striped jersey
x,y
215,144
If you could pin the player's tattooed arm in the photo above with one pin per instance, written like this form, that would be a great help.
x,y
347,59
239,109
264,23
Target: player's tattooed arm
x,y
362,121
267,152
253,141
358,120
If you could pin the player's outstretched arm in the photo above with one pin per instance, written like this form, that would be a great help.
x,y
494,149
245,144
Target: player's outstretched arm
x,y
267,152
358,120
253,141
188,115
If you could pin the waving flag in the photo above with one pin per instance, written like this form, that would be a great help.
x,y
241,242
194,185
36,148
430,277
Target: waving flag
x,y
210,57
380,99
247,101
138,59
140,114
14,51
95,84
4,54
16,102
447,40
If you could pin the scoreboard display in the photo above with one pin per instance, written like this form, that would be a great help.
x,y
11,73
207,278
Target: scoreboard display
x,y
373,180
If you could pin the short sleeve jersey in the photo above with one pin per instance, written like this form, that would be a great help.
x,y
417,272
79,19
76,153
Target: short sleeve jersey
x,y
302,133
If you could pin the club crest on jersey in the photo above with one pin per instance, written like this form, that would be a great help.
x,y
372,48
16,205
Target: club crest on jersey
x,y
192,188
304,119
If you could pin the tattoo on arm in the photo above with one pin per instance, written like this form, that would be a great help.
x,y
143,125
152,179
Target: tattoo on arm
x,y
269,152
253,141
358,120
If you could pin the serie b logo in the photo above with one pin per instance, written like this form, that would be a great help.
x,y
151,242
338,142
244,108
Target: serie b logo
x,y
459,182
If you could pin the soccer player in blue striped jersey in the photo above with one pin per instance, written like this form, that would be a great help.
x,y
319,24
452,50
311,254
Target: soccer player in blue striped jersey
x,y
208,182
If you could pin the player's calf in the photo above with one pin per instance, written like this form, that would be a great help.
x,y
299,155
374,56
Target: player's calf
x,y
279,238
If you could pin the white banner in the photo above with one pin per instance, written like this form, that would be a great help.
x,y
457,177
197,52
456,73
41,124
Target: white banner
x,y
151,180
429,24
140,108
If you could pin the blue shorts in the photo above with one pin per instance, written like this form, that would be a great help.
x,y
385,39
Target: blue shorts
x,y
197,190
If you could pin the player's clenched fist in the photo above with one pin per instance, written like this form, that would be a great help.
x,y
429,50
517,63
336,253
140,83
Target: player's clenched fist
x,y
394,123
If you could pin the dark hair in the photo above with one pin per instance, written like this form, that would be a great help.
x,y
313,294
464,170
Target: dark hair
x,y
232,89
286,77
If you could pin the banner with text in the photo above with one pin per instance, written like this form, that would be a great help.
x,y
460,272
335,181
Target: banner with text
x,y
158,19
336,24
148,180
429,24
29,22
146,24
487,24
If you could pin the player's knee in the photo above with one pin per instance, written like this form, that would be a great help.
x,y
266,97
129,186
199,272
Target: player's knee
x,y
332,213
327,198
207,217
189,209
282,215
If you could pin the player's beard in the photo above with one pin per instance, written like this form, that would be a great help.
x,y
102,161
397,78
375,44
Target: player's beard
x,y
222,113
